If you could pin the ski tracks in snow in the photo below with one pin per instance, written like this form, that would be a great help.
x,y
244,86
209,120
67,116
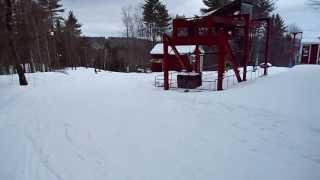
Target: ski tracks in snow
x,y
44,158
85,152
82,155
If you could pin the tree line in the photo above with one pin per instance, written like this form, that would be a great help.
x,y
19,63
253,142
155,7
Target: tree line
x,y
36,35
151,19
41,39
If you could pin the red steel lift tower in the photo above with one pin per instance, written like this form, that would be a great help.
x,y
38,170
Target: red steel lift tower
x,y
211,30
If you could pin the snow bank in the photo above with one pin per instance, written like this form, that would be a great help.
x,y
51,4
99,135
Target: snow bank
x,y
117,126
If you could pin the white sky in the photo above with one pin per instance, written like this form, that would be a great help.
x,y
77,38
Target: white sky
x,y
103,17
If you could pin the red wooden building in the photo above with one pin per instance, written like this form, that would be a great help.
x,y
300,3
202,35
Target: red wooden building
x,y
310,53
186,55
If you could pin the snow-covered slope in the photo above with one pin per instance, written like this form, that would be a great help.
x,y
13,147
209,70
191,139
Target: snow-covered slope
x,y
83,126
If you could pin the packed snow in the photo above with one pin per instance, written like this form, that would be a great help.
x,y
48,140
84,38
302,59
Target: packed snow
x,y
80,125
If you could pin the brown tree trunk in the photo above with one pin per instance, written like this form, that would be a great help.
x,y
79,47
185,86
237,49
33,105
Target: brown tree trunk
x,y
22,78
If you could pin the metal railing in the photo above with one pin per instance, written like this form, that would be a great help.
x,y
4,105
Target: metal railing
x,y
210,79
159,80
252,74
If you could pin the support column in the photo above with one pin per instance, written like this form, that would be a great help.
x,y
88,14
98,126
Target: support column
x,y
221,65
197,54
246,46
165,64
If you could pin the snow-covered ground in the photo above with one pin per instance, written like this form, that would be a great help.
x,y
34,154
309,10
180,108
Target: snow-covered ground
x,y
86,126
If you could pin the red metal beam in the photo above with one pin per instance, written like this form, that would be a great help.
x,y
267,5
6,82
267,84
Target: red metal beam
x,y
165,64
197,54
221,64
246,55
232,58
176,52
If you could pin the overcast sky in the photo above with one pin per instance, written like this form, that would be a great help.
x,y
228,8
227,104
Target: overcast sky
x,y
103,17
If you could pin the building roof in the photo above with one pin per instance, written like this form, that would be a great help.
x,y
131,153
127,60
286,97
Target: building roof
x,y
189,49
311,41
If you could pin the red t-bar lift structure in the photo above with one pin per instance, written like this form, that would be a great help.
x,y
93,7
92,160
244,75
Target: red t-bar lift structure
x,y
213,31
209,31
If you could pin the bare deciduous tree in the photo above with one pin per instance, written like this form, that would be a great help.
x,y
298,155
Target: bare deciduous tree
x,y
127,19
138,22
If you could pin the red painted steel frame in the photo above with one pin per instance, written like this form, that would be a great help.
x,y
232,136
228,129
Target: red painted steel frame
x,y
221,62
165,64
215,33
197,64
246,46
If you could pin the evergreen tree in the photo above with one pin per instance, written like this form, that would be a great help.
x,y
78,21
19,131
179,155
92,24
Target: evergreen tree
x,y
279,54
34,37
72,25
72,33
59,42
213,4
163,18
263,8
12,42
53,8
3,39
279,27
156,18
149,11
